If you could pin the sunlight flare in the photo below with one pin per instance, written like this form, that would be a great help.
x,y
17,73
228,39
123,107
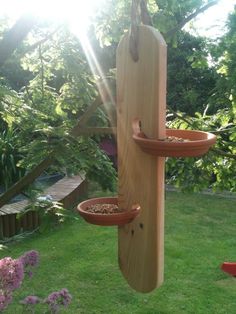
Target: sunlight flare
x,y
77,13
102,81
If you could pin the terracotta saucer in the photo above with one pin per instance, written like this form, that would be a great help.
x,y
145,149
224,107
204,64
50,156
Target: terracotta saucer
x,y
111,219
184,143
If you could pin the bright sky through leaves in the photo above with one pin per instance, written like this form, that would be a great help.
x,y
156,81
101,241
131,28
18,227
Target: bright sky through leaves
x,y
211,23
78,13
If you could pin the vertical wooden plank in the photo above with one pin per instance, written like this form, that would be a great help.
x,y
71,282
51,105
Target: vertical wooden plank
x,y
24,223
141,93
1,226
29,220
18,224
6,226
12,224
35,219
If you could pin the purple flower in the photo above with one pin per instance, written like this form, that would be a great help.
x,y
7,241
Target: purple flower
x,y
31,299
11,274
29,260
57,299
5,299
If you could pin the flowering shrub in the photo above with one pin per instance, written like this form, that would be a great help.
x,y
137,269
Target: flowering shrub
x,y
12,272
57,299
29,303
54,301
29,260
11,276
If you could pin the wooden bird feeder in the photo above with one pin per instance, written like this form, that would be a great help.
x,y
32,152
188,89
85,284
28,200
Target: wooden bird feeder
x,y
141,96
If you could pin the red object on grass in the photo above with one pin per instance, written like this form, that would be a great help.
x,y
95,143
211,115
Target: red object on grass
x,y
229,267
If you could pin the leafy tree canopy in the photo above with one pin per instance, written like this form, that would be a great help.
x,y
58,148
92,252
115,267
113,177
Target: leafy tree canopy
x,y
47,87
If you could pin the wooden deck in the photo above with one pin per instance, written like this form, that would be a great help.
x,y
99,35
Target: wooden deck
x,y
67,191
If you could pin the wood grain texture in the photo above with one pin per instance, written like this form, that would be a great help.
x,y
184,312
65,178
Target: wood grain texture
x,y
141,93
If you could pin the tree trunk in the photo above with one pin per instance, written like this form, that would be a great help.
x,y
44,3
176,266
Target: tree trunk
x,y
13,37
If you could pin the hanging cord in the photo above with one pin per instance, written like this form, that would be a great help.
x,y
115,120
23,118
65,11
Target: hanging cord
x,y
139,13
135,21
145,16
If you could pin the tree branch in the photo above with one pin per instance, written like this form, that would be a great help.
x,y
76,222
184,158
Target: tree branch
x,y
34,173
172,31
90,110
179,116
216,150
26,180
222,153
13,38
41,72
222,131
95,130
42,41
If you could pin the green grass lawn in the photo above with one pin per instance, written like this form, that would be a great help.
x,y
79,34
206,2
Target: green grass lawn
x,y
200,233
